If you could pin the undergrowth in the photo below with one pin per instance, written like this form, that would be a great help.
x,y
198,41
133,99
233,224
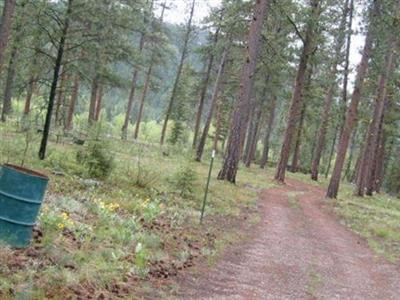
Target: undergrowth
x,y
100,233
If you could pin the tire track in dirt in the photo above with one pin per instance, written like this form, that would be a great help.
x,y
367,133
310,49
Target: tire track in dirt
x,y
298,251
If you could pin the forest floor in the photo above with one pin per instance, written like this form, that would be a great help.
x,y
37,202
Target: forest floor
x,y
136,233
299,250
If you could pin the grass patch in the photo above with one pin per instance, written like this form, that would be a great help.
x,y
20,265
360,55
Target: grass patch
x,y
375,218
292,199
314,281
99,237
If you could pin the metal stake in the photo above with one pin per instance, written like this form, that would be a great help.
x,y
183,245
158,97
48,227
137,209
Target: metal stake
x,y
207,186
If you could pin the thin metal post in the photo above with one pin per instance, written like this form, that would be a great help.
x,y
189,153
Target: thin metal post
x,y
207,186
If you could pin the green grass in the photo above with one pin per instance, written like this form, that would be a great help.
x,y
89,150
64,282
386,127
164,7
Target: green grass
x,y
375,218
99,237
293,200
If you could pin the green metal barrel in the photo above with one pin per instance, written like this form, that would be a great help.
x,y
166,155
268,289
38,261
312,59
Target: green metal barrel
x,y
21,195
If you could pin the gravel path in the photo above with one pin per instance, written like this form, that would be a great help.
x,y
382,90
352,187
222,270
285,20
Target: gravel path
x,y
298,251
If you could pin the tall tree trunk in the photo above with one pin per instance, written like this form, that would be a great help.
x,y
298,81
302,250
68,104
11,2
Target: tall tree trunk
x,y
218,124
33,79
271,119
250,129
386,154
351,115
371,143
203,92
99,103
142,100
320,144
377,176
240,114
382,155
254,137
351,155
29,94
57,66
8,90
296,153
93,99
299,130
131,97
72,103
297,99
132,93
331,152
214,99
5,27
178,73
347,60
339,127
60,97
147,83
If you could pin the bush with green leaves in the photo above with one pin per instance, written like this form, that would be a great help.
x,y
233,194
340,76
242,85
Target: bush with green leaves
x,y
97,158
185,180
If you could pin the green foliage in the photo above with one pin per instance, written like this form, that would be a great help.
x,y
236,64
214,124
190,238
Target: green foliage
x,y
183,107
97,159
177,132
96,155
185,180
141,260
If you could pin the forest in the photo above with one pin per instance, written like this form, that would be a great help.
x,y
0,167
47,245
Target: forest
x,y
145,143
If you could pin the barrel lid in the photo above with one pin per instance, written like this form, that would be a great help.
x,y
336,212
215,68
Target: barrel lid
x,y
26,171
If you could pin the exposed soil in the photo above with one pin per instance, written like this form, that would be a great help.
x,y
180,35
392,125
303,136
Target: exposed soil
x,y
299,250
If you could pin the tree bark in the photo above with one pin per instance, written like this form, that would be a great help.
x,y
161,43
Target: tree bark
x,y
72,103
203,92
8,90
386,154
57,66
375,181
365,178
147,84
29,94
131,98
5,28
178,74
240,114
347,59
323,128
93,99
33,79
331,152
271,119
297,99
218,125
351,115
296,153
99,103
142,100
254,138
351,155
214,99
60,97
250,129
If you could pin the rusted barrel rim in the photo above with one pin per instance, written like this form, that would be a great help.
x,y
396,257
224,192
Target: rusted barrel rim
x,y
26,171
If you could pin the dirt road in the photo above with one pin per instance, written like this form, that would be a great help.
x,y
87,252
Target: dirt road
x,y
298,251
